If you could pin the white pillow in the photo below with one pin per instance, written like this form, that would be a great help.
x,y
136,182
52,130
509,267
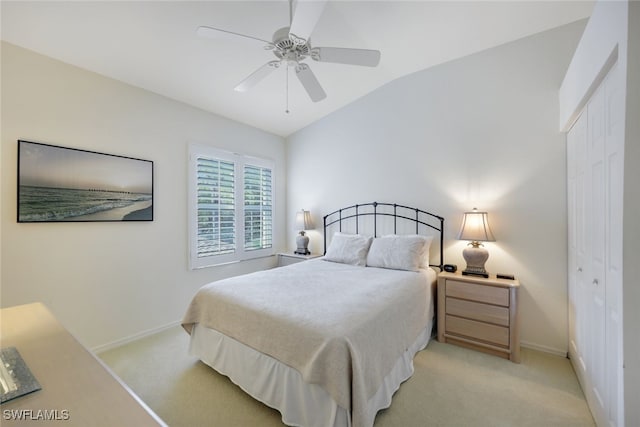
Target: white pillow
x,y
348,249
410,252
424,262
426,254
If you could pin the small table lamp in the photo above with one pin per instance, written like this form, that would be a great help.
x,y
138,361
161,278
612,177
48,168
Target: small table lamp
x,y
303,222
475,227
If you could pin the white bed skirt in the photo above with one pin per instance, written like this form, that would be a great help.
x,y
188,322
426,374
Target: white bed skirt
x,y
281,387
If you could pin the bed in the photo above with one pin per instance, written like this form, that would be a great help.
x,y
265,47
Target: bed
x,y
328,341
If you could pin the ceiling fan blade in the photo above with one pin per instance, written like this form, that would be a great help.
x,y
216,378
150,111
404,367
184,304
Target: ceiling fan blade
x,y
364,57
257,76
304,20
310,82
217,33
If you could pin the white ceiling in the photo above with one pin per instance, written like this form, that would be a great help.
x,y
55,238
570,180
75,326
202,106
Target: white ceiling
x,y
153,45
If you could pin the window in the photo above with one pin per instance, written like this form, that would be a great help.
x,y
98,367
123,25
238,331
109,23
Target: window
x,y
230,206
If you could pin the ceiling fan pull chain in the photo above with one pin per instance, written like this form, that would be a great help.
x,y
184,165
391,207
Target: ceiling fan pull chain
x,y
287,91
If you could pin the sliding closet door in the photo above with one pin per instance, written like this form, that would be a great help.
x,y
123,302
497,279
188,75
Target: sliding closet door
x,y
595,150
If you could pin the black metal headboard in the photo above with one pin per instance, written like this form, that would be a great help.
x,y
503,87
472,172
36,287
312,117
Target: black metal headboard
x,y
353,214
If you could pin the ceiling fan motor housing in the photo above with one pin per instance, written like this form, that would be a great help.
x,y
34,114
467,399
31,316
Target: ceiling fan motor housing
x,y
287,50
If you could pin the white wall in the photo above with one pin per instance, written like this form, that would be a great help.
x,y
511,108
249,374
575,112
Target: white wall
x,y
109,281
589,63
481,132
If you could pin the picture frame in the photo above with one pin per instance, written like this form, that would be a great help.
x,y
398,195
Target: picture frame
x,y
60,184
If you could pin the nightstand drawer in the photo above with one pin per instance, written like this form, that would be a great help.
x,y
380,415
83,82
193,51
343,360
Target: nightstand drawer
x,y
480,293
477,330
478,311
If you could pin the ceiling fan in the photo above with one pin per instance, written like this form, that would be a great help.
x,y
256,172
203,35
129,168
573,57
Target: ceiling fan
x,y
291,46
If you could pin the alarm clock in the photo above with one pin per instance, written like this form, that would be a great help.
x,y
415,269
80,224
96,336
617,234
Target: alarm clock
x,y
451,268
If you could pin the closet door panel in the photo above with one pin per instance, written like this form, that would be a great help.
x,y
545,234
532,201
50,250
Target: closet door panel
x,y
571,237
582,290
576,155
596,360
614,155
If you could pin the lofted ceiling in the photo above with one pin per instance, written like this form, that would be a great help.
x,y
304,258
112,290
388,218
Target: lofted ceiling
x,y
154,45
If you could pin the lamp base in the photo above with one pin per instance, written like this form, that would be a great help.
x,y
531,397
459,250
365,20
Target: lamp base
x,y
475,256
483,273
302,243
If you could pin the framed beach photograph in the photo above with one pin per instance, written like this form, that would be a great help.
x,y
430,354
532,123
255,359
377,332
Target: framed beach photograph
x,y
58,184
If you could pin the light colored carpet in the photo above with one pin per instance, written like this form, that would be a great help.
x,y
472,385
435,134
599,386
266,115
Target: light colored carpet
x,y
451,386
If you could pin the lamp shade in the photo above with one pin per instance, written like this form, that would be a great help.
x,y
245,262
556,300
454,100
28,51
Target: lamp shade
x,y
475,227
303,220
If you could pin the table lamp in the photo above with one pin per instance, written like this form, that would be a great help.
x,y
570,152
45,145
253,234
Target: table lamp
x,y
303,222
475,227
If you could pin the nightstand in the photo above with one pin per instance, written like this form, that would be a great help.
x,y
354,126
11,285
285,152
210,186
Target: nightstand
x,y
291,258
479,313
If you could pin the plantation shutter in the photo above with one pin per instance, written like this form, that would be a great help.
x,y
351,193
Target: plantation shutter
x,y
215,207
258,208
231,207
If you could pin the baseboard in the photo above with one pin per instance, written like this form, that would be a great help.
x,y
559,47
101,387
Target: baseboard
x,y
139,335
543,348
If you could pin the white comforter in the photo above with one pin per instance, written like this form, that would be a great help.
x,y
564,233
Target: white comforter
x,y
340,326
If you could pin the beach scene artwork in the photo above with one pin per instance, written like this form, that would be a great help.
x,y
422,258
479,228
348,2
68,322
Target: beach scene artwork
x,y
65,184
